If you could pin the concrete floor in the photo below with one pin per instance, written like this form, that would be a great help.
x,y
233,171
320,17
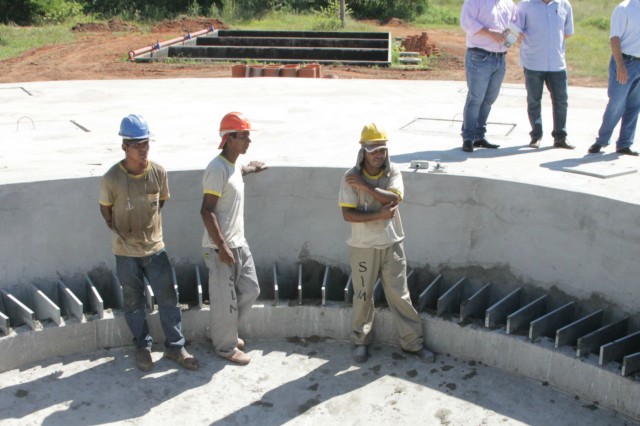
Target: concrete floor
x,y
293,381
300,122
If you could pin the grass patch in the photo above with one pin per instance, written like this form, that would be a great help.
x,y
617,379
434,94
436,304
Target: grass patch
x,y
588,51
16,40
586,9
298,22
441,13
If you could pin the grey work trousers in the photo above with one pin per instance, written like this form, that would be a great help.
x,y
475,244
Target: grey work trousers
x,y
232,291
391,265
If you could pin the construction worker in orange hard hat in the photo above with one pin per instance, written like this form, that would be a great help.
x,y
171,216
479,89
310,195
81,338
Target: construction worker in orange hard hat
x,y
369,197
225,248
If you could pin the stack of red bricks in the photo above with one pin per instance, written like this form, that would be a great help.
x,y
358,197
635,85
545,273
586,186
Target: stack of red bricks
x,y
420,44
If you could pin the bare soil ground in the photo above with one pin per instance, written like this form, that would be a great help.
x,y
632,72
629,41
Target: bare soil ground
x,y
100,53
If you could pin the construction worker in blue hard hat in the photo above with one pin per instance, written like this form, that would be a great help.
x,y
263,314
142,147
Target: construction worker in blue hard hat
x,y
132,194
369,197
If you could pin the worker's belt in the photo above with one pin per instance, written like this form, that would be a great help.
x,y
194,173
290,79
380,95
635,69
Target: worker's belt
x,y
632,58
486,52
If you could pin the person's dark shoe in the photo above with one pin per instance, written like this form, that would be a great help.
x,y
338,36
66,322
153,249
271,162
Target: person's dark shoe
x,y
424,355
627,151
483,143
562,143
535,143
595,148
180,355
143,359
467,146
360,353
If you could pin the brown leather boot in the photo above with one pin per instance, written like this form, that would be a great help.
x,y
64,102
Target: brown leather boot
x,y
182,357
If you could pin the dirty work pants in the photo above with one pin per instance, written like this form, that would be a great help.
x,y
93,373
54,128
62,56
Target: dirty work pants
x,y
232,291
156,268
391,265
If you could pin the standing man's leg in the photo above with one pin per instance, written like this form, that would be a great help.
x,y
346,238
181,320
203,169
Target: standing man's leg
x,y
497,68
247,285
365,265
615,108
130,275
224,307
629,119
394,281
557,84
478,75
534,82
157,268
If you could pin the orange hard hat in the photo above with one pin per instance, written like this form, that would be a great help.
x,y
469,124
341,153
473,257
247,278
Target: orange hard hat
x,y
231,123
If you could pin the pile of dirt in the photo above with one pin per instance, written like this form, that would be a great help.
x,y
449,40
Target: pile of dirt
x,y
113,26
396,22
188,25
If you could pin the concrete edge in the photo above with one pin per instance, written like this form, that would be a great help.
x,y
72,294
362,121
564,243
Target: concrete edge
x,y
516,355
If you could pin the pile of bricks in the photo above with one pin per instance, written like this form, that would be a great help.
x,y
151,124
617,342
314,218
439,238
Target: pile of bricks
x,y
312,70
420,44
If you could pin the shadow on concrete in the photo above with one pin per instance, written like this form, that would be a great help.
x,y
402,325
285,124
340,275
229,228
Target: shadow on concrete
x,y
586,159
301,380
112,391
387,377
456,155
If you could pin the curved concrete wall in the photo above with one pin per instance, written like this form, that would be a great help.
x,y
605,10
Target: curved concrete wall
x,y
512,233
516,355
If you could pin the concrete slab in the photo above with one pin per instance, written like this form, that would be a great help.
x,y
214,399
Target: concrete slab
x,y
601,170
291,381
306,123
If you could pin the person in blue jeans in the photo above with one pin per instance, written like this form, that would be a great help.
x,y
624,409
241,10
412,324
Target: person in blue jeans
x,y
624,79
132,193
546,25
486,25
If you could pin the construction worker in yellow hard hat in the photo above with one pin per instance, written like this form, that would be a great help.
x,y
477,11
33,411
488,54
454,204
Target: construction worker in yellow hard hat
x,y
369,197
233,283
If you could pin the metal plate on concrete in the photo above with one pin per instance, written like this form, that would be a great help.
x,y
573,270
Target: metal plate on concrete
x,y
601,170
453,126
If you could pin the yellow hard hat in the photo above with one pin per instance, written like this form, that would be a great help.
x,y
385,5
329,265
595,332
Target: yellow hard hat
x,y
372,134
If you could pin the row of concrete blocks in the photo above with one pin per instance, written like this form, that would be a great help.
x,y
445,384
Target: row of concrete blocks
x,y
586,333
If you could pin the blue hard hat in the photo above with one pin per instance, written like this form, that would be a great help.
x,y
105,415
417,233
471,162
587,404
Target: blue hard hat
x,y
134,126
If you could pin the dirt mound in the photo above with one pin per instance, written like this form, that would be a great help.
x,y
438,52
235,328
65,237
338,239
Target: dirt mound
x,y
186,24
396,22
114,25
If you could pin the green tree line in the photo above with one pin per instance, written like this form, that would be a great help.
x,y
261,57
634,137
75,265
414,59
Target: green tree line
x,y
37,12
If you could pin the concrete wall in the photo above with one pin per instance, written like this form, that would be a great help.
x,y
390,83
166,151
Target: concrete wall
x,y
511,233
516,355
